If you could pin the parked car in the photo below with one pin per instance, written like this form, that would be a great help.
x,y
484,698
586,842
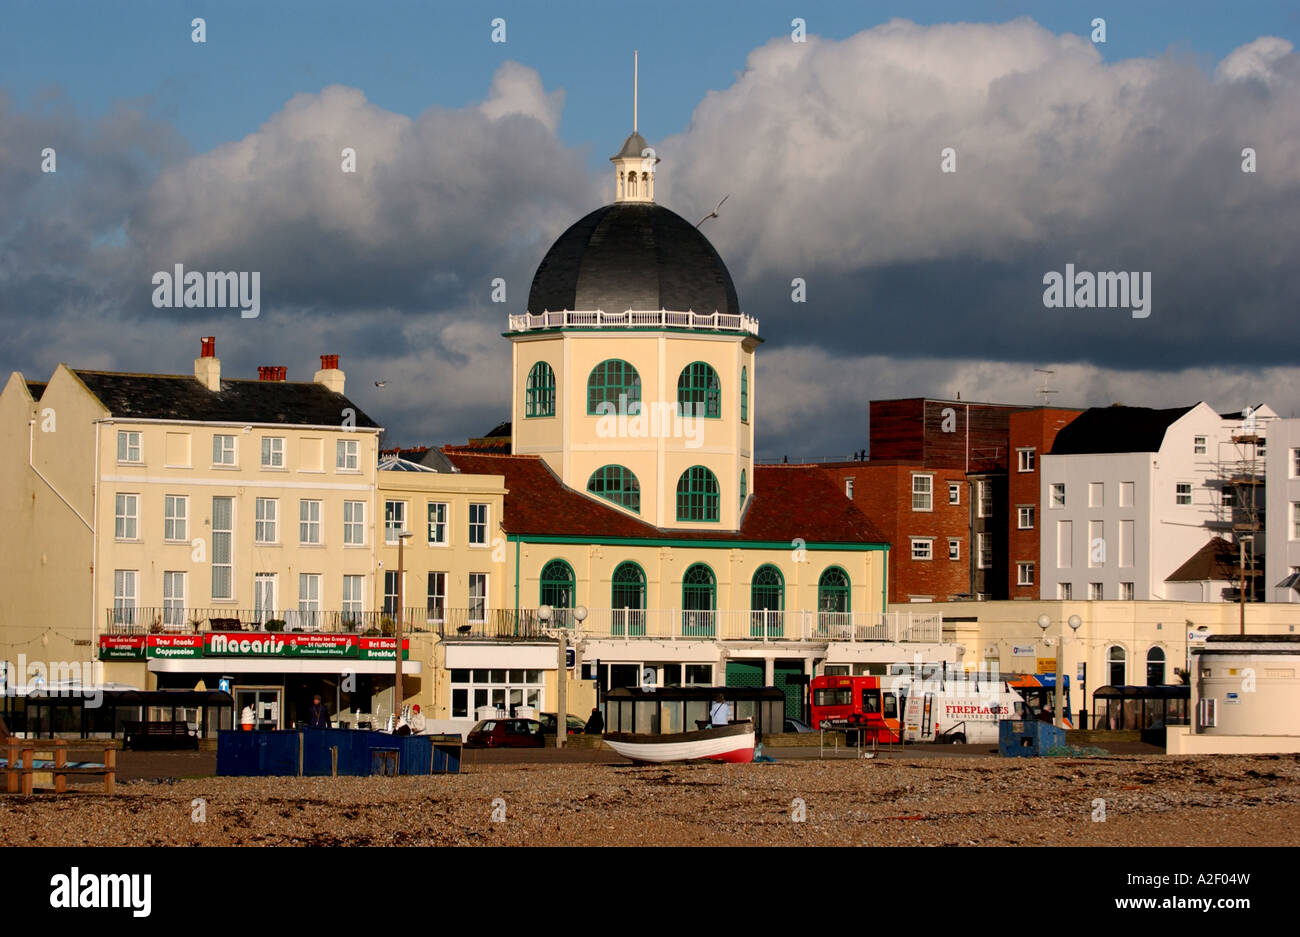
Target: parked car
x,y
506,733
576,725
795,725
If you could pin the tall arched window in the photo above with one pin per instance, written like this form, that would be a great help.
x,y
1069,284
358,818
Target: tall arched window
x,y
833,609
1115,669
697,495
627,599
557,590
699,602
744,395
743,491
1155,667
699,392
539,395
631,183
766,602
618,484
616,383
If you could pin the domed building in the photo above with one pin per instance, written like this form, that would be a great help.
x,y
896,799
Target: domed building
x,y
633,364
634,513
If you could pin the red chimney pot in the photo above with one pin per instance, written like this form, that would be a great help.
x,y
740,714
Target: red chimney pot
x,y
209,346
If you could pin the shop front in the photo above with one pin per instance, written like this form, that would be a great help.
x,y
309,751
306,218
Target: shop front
x,y
276,675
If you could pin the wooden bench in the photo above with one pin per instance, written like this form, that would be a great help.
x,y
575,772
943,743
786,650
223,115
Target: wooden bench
x,y
159,734
22,764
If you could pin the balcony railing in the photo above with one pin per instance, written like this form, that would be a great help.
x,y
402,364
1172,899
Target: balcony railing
x,y
524,624
634,318
495,624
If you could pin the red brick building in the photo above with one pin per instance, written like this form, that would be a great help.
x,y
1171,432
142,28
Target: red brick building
x,y
935,484
1032,433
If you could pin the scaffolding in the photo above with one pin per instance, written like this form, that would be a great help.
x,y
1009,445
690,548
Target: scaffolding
x,y
1240,512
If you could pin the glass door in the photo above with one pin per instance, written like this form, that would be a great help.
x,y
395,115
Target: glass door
x,y
265,703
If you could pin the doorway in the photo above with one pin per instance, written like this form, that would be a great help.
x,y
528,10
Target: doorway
x,y
266,706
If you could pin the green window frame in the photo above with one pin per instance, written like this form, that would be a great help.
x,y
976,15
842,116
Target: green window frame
x,y
697,495
698,389
539,393
699,602
618,484
743,489
612,381
556,590
627,600
834,606
744,395
766,602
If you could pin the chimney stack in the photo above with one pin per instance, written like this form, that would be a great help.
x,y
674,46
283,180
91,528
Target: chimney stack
x,y
207,367
273,372
329,374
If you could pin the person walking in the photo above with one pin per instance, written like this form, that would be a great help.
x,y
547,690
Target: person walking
x,y
719,712
596,722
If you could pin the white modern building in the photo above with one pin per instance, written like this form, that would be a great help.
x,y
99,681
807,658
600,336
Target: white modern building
x,y
1282,506
1134,501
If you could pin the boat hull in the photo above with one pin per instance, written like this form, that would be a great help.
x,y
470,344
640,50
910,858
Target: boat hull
x,y
733,744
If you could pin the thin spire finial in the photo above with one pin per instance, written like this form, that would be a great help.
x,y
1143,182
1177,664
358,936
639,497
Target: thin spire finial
x,y
634,88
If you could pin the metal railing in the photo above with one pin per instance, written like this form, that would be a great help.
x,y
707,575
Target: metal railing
x,y
508,624
635,318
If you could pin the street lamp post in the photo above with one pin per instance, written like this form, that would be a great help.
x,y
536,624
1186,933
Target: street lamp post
x,y
1044,622
402,537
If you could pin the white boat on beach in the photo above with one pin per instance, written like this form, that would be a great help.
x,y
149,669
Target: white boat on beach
x,y
730,743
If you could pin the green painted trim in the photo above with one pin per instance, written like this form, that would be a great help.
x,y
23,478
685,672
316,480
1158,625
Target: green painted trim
x,y
681,542
690,491
884,584
615,329
645,582
848,582
712,575
541,582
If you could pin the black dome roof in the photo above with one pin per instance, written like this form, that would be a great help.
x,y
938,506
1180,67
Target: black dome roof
x,y
632,255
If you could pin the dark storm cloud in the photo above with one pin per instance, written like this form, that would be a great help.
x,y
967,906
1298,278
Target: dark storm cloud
x,y
918,282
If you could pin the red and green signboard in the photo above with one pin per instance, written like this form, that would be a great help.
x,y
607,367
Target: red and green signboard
x,y
249,644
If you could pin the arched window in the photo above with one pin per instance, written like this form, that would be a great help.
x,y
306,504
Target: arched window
x,y
631,183
697,495
627,599
1115,669
744,395
1155,667
618,484
699,602
539,395
833,610
766,602
699,392
613,382
557,590
743,491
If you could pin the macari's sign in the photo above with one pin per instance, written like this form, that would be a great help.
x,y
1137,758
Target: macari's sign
x,y
246,644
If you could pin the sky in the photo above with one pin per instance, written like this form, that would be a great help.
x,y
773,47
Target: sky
x,y
473,155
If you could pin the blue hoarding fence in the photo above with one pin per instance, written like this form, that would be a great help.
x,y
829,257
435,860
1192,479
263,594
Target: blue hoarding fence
x,y
326,752
1028,738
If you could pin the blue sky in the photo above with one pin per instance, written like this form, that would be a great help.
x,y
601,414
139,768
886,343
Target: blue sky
x,y
408,56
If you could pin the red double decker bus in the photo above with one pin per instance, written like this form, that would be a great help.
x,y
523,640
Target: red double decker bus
x,y
865,703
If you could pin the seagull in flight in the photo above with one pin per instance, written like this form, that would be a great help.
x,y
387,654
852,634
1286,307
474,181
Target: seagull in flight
x,y
380,383
714,213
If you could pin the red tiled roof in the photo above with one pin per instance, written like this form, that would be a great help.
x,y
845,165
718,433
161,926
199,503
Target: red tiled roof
x,y
789,502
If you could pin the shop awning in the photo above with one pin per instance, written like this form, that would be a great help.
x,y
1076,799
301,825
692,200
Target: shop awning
x,y
287,665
